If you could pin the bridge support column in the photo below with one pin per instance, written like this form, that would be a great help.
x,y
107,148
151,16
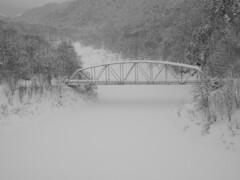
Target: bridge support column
x,y
136,73
181,75
166,74
151,73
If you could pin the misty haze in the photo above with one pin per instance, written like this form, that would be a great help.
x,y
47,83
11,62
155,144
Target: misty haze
x,y
119,89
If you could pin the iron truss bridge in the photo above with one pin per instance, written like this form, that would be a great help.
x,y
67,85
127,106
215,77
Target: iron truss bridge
x,y
136,73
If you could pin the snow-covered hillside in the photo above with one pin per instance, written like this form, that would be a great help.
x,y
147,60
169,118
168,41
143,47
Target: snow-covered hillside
x,y
91,56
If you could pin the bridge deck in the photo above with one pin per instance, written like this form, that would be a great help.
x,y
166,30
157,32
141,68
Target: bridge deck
x,y
79,82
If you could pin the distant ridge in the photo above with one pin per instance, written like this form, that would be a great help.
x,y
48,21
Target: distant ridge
x,y
47,14
77,13
10,11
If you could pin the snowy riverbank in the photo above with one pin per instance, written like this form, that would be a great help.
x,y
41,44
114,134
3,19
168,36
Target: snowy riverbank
x,y
16,113
191,122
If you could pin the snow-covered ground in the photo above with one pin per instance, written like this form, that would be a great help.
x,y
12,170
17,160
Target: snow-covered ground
x,y
220,133
15,114
129,132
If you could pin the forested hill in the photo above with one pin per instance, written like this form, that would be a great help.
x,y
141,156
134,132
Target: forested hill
x,y
98,13
114,24
24,55
205,32
48,14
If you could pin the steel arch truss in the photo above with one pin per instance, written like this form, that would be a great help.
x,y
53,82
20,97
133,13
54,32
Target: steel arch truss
x,y
136,73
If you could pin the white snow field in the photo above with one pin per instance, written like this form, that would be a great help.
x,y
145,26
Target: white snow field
x,y
127,134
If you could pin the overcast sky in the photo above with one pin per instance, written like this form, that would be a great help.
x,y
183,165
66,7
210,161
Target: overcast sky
x,y
29,3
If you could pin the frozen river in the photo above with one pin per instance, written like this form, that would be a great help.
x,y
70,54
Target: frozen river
x,y
127,134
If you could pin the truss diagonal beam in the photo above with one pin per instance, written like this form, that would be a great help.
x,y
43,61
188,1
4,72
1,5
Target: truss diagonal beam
x,y
174,74
101,72
143,72
158,73
129,72
83,75
113,72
